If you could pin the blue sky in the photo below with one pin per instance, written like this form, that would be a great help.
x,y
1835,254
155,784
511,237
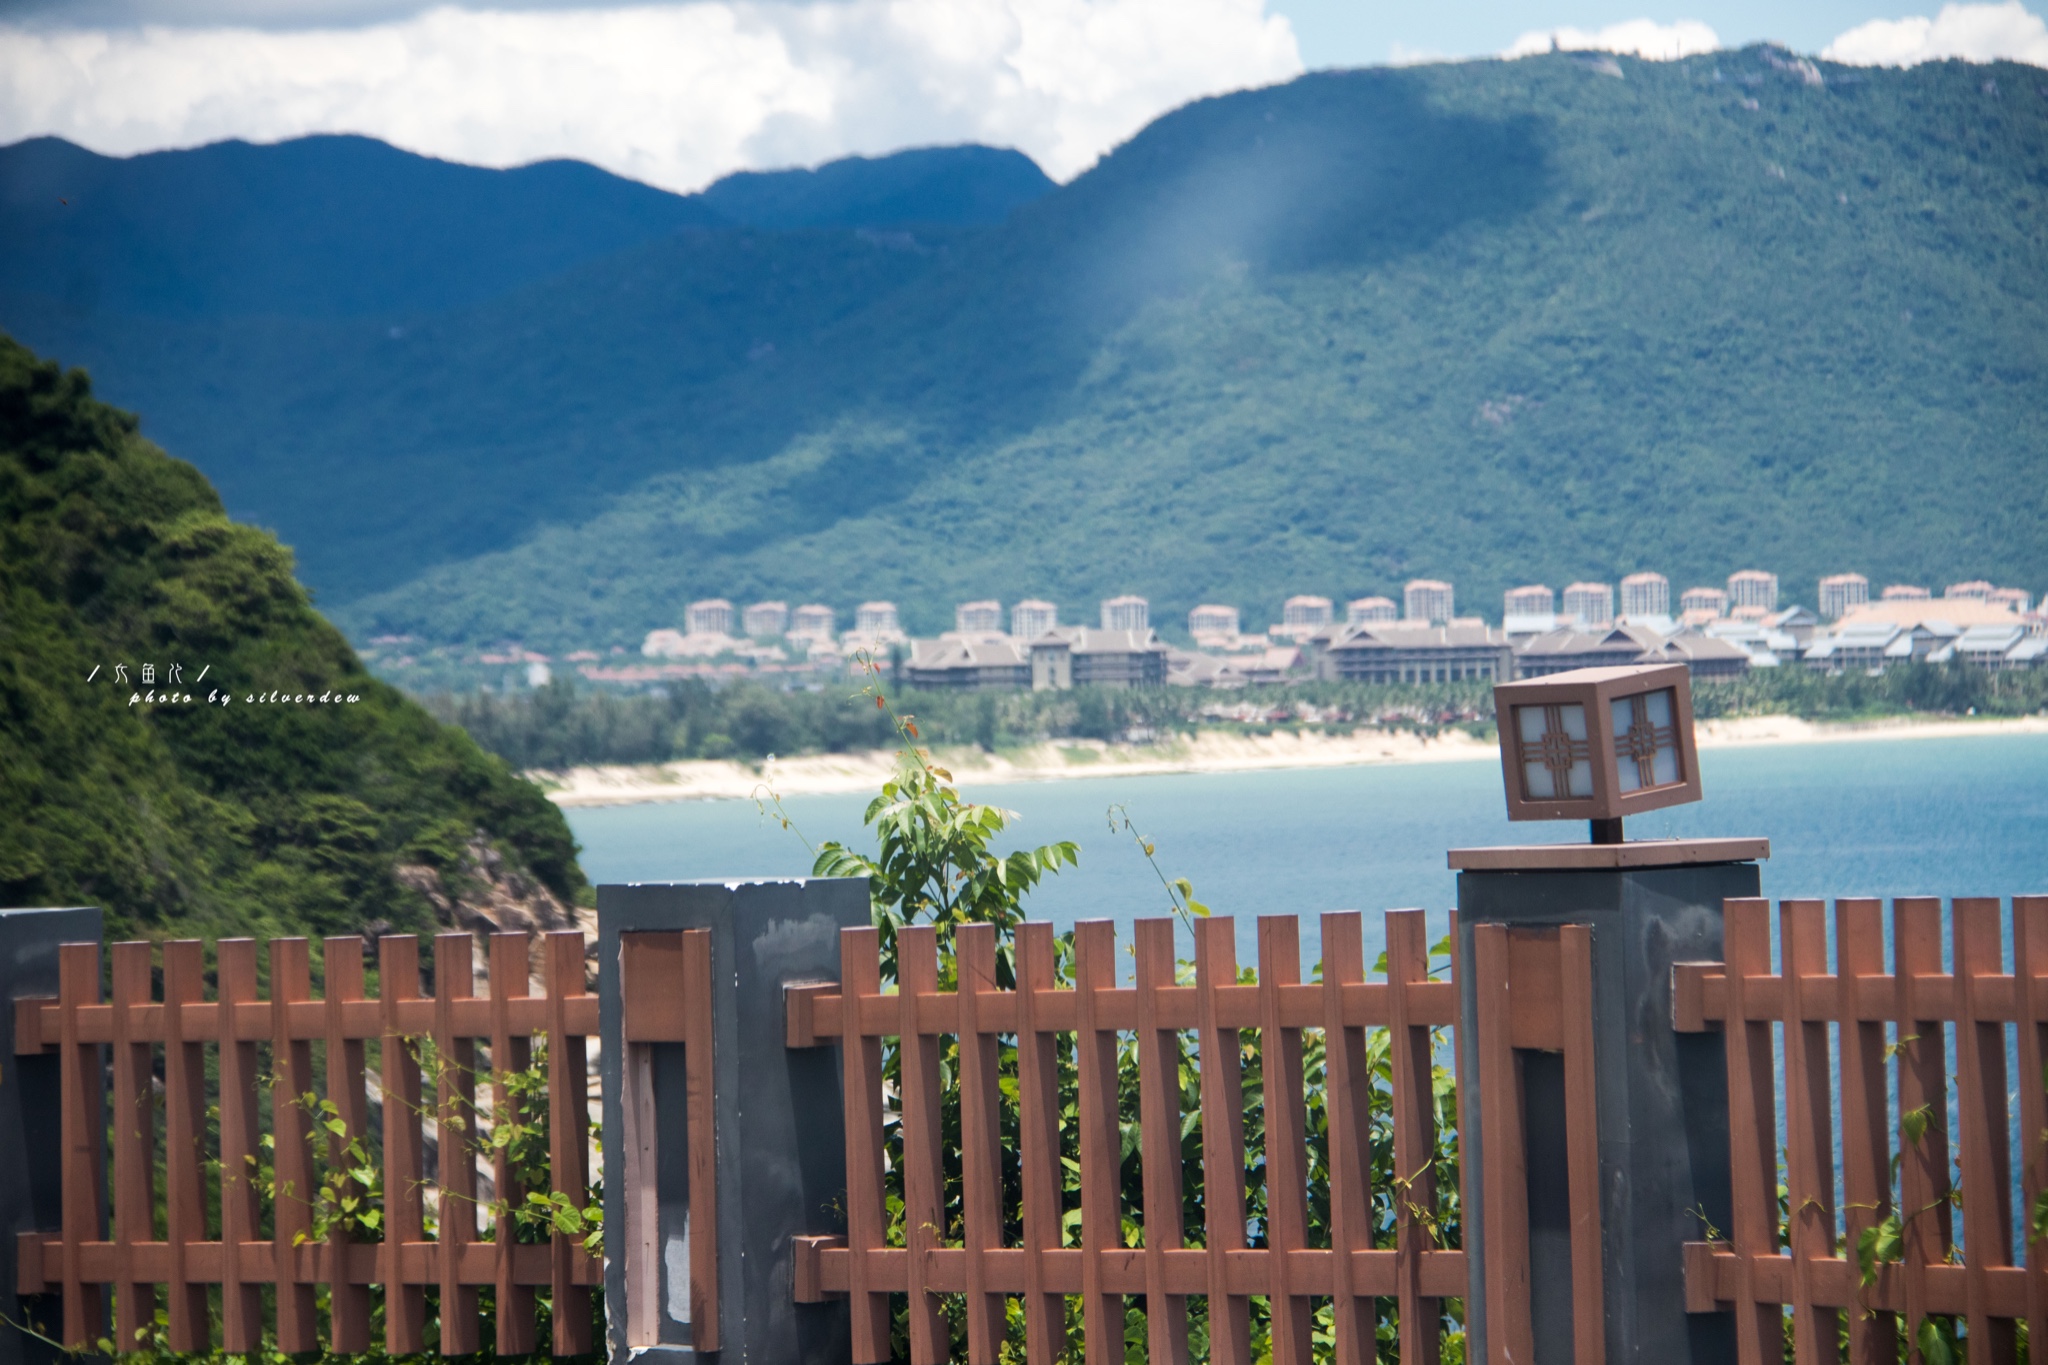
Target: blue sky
x,y
1358,32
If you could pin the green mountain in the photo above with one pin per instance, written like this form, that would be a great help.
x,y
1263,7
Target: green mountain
x,y
270,786
337,226
1495,322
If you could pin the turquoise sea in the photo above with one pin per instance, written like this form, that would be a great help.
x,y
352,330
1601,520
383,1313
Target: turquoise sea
x,y
1887,816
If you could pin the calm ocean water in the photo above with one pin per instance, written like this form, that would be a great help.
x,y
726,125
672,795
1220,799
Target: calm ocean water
x,y
1889,817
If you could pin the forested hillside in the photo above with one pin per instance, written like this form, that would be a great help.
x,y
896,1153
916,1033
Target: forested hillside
x,y
1555,318
270,786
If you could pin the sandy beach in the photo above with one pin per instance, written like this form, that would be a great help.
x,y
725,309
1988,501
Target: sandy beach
x,y
817,774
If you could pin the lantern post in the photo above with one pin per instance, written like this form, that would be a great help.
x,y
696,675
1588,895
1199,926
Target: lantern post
x,y
1599,745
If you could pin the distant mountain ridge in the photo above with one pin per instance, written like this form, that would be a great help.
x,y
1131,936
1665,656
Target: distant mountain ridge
x,y
341,226
1495,322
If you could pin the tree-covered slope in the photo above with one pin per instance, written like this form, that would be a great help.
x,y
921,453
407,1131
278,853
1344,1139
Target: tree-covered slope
x,y
342,226
1496,321
243,809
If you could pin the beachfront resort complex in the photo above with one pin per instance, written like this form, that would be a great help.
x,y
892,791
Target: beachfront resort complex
x,y
1716,631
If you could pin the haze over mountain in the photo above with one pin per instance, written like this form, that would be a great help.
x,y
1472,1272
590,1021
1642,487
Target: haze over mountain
x,y
1562,317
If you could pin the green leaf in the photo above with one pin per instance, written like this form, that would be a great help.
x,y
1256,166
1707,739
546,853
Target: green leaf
x,y
1936,1342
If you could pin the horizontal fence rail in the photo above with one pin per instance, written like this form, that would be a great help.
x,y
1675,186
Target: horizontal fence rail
x,y
1057,1257
1906,1031
174,1033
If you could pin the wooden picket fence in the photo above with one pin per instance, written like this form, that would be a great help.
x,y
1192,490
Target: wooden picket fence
x,y
1893,1031
86,1259
1894,1048
1551,974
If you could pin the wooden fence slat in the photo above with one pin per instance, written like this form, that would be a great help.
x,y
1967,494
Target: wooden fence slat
x,y
1286,1110
1866,1141
1101,1141
405,1305
1409,1051
2030,966
1466,1082
1582,1144
1975,924
860,974
291,1076
134,1131
82,1136
241,1318
1045,1319
1159,1129
1810,1160
568,1138
699,1065
924,1176
1752,1130
511,1052
348,1318
1922,1057
184,1136
1347,1101
455,1141
1509,1331
1222,1141
981,1150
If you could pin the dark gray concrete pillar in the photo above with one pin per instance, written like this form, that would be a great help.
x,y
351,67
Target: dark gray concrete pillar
x,y
1662,1098
778,1120
31,1162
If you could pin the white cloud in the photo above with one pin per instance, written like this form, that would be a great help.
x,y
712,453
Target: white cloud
x,y
1644,38
673,94
1977,33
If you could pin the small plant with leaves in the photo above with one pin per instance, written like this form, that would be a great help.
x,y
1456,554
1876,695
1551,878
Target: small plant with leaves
x,y
348,1201
933,862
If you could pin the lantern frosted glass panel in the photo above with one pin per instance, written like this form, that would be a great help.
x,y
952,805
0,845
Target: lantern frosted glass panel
x,y
1557,758
1645,741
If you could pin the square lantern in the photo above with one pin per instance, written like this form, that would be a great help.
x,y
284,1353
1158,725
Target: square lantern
x,y
1598,744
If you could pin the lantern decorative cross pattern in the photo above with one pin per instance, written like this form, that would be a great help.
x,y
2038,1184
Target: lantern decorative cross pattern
x,y
1598,744
1645,741
1556,756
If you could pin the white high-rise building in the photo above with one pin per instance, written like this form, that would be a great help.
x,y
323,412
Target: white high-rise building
x,y
1312,613
1589,603
1753,588
1210,619
1032,618
1645,594
1976,590
1842,593
1906,592
1365,611
1702,604
978,618
876,621
2019,599
1428,600
813,622
766,618
1536,599
712,616
1126,613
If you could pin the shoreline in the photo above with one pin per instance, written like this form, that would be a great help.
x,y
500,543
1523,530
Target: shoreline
x,y
1208,752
